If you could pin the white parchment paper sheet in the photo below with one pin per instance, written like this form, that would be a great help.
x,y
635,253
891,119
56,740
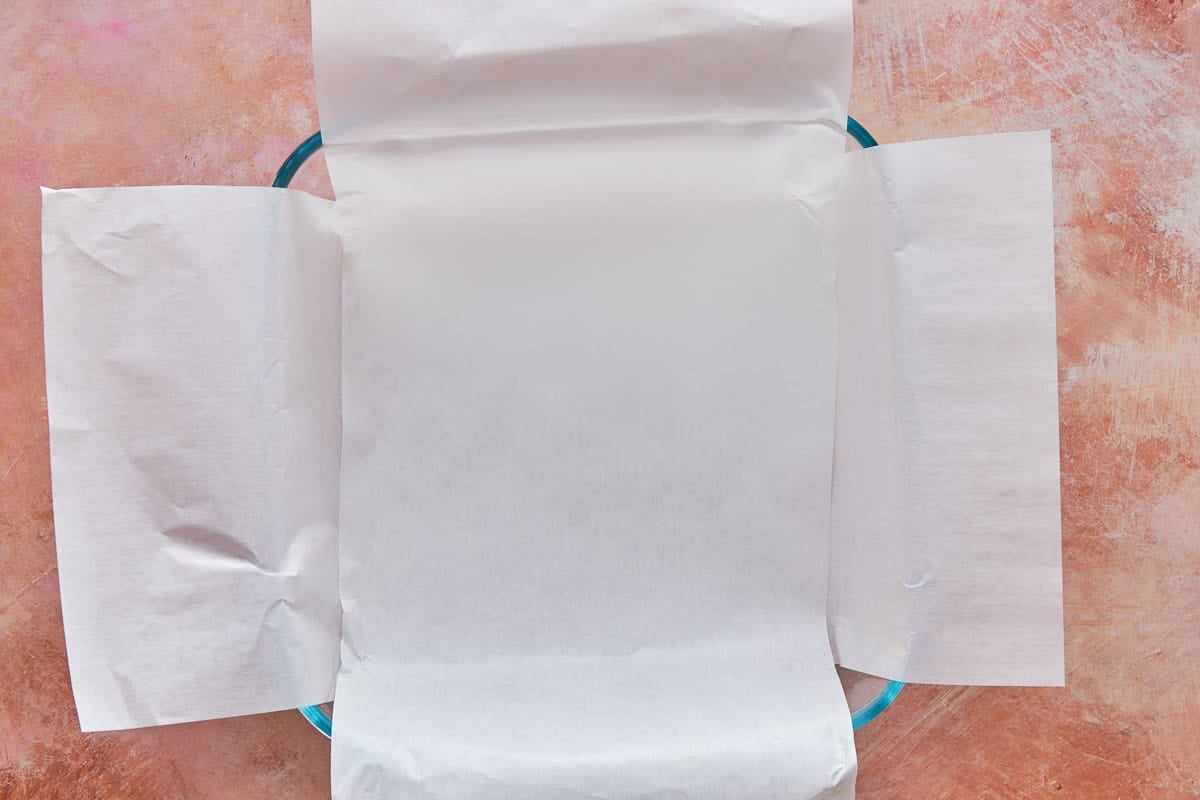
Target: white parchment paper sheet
x,y
589,392
946,562
192,348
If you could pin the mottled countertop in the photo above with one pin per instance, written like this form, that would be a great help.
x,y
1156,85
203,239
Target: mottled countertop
x,y
126,92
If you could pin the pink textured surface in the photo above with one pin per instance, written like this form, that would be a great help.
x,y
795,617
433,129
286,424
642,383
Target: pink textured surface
x,y
122,92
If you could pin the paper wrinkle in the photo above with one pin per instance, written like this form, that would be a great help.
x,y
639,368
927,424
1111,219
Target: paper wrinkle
x,y
199,543
192,349
959,581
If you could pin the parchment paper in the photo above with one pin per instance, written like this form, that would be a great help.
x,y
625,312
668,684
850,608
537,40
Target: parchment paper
x,y
588,377
192,348
946,563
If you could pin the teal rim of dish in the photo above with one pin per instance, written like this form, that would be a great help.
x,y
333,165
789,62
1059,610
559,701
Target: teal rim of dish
x,y
863,717
316,715
320,719
312,144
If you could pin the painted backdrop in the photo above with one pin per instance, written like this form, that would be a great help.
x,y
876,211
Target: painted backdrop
x,y
125,92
